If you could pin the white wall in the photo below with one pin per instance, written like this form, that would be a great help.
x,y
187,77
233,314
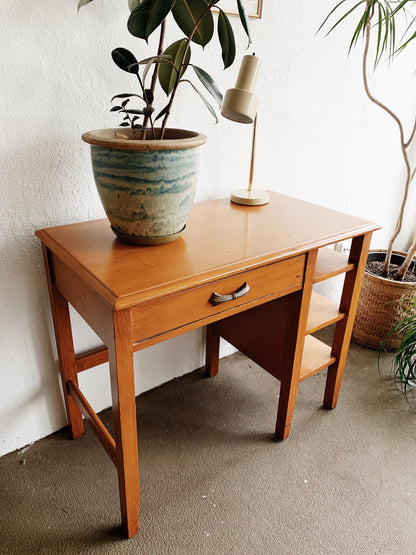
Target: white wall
x,y
318,139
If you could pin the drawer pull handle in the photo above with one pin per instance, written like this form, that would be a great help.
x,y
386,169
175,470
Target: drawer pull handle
x,y
219,299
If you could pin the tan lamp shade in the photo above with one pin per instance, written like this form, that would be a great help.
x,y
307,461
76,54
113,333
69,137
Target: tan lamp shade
x,y
240,105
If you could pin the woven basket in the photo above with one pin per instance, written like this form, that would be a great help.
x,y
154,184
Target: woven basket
x,y
378,310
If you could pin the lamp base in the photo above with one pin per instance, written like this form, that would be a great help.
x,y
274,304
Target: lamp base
x,y
250,198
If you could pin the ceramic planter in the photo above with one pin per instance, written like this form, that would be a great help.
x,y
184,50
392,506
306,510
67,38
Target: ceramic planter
x,y
146,186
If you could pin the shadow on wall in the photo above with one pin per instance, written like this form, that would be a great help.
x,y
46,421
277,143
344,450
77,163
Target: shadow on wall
x,y
31,403
37,191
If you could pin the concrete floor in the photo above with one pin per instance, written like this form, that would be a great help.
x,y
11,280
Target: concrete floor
x,y
214,481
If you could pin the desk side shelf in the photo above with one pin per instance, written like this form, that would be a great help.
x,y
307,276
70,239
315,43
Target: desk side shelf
x,y
322,313
316,356
330,263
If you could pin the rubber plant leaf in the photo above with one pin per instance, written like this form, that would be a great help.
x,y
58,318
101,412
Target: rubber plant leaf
x,y
125,95
169,71
205,101
125,60
208,83
147,17
133,4
188,13
148,96
162,112
150,61
244,19
83,3
226,37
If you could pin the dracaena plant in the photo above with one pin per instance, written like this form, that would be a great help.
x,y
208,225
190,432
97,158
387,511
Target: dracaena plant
x,y
392,24
171,65
404,360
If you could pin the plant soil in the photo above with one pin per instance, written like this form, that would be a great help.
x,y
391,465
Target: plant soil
x,y
375,268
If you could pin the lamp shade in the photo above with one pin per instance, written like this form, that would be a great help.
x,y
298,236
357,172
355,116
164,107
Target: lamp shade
x,y
240,103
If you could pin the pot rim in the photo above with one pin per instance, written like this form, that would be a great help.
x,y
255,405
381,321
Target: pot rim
x,y
398,284
175,139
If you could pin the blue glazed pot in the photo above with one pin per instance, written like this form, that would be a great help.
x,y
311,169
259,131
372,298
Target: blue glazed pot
x,y
147,187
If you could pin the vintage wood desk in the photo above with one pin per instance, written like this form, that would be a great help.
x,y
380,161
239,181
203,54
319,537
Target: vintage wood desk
x,y
133,297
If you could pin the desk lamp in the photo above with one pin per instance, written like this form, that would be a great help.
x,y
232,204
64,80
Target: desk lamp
x,y
240,105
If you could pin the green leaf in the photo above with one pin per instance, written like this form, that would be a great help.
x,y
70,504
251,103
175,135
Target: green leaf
x,y
189,15
244,19
124,59
153,60
125,95
170,73
205,101
162,112
226,37
360,28
329,15
208,83
147,17
380,28
366,14
83,3
133,4
382,15
148,96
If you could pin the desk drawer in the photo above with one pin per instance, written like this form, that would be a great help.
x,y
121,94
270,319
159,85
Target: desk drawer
x,y
187,307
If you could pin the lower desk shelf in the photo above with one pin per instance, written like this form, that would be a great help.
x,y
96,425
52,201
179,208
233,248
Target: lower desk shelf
x,y
322,313
316,356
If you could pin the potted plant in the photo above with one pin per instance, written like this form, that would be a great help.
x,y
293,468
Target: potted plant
x,y
404,359
146,175
389,275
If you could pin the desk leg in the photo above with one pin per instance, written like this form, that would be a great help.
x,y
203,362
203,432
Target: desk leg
x,y
349,300
212,351
125,427
287,399
292,361
65,347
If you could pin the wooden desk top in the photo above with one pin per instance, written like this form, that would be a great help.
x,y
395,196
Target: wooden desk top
x,y
221,239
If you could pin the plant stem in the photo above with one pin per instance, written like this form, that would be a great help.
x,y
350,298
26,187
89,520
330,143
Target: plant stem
x,y
154,77
403,147
175,87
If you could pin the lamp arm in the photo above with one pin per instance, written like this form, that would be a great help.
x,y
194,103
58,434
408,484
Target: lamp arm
x,y
253,153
